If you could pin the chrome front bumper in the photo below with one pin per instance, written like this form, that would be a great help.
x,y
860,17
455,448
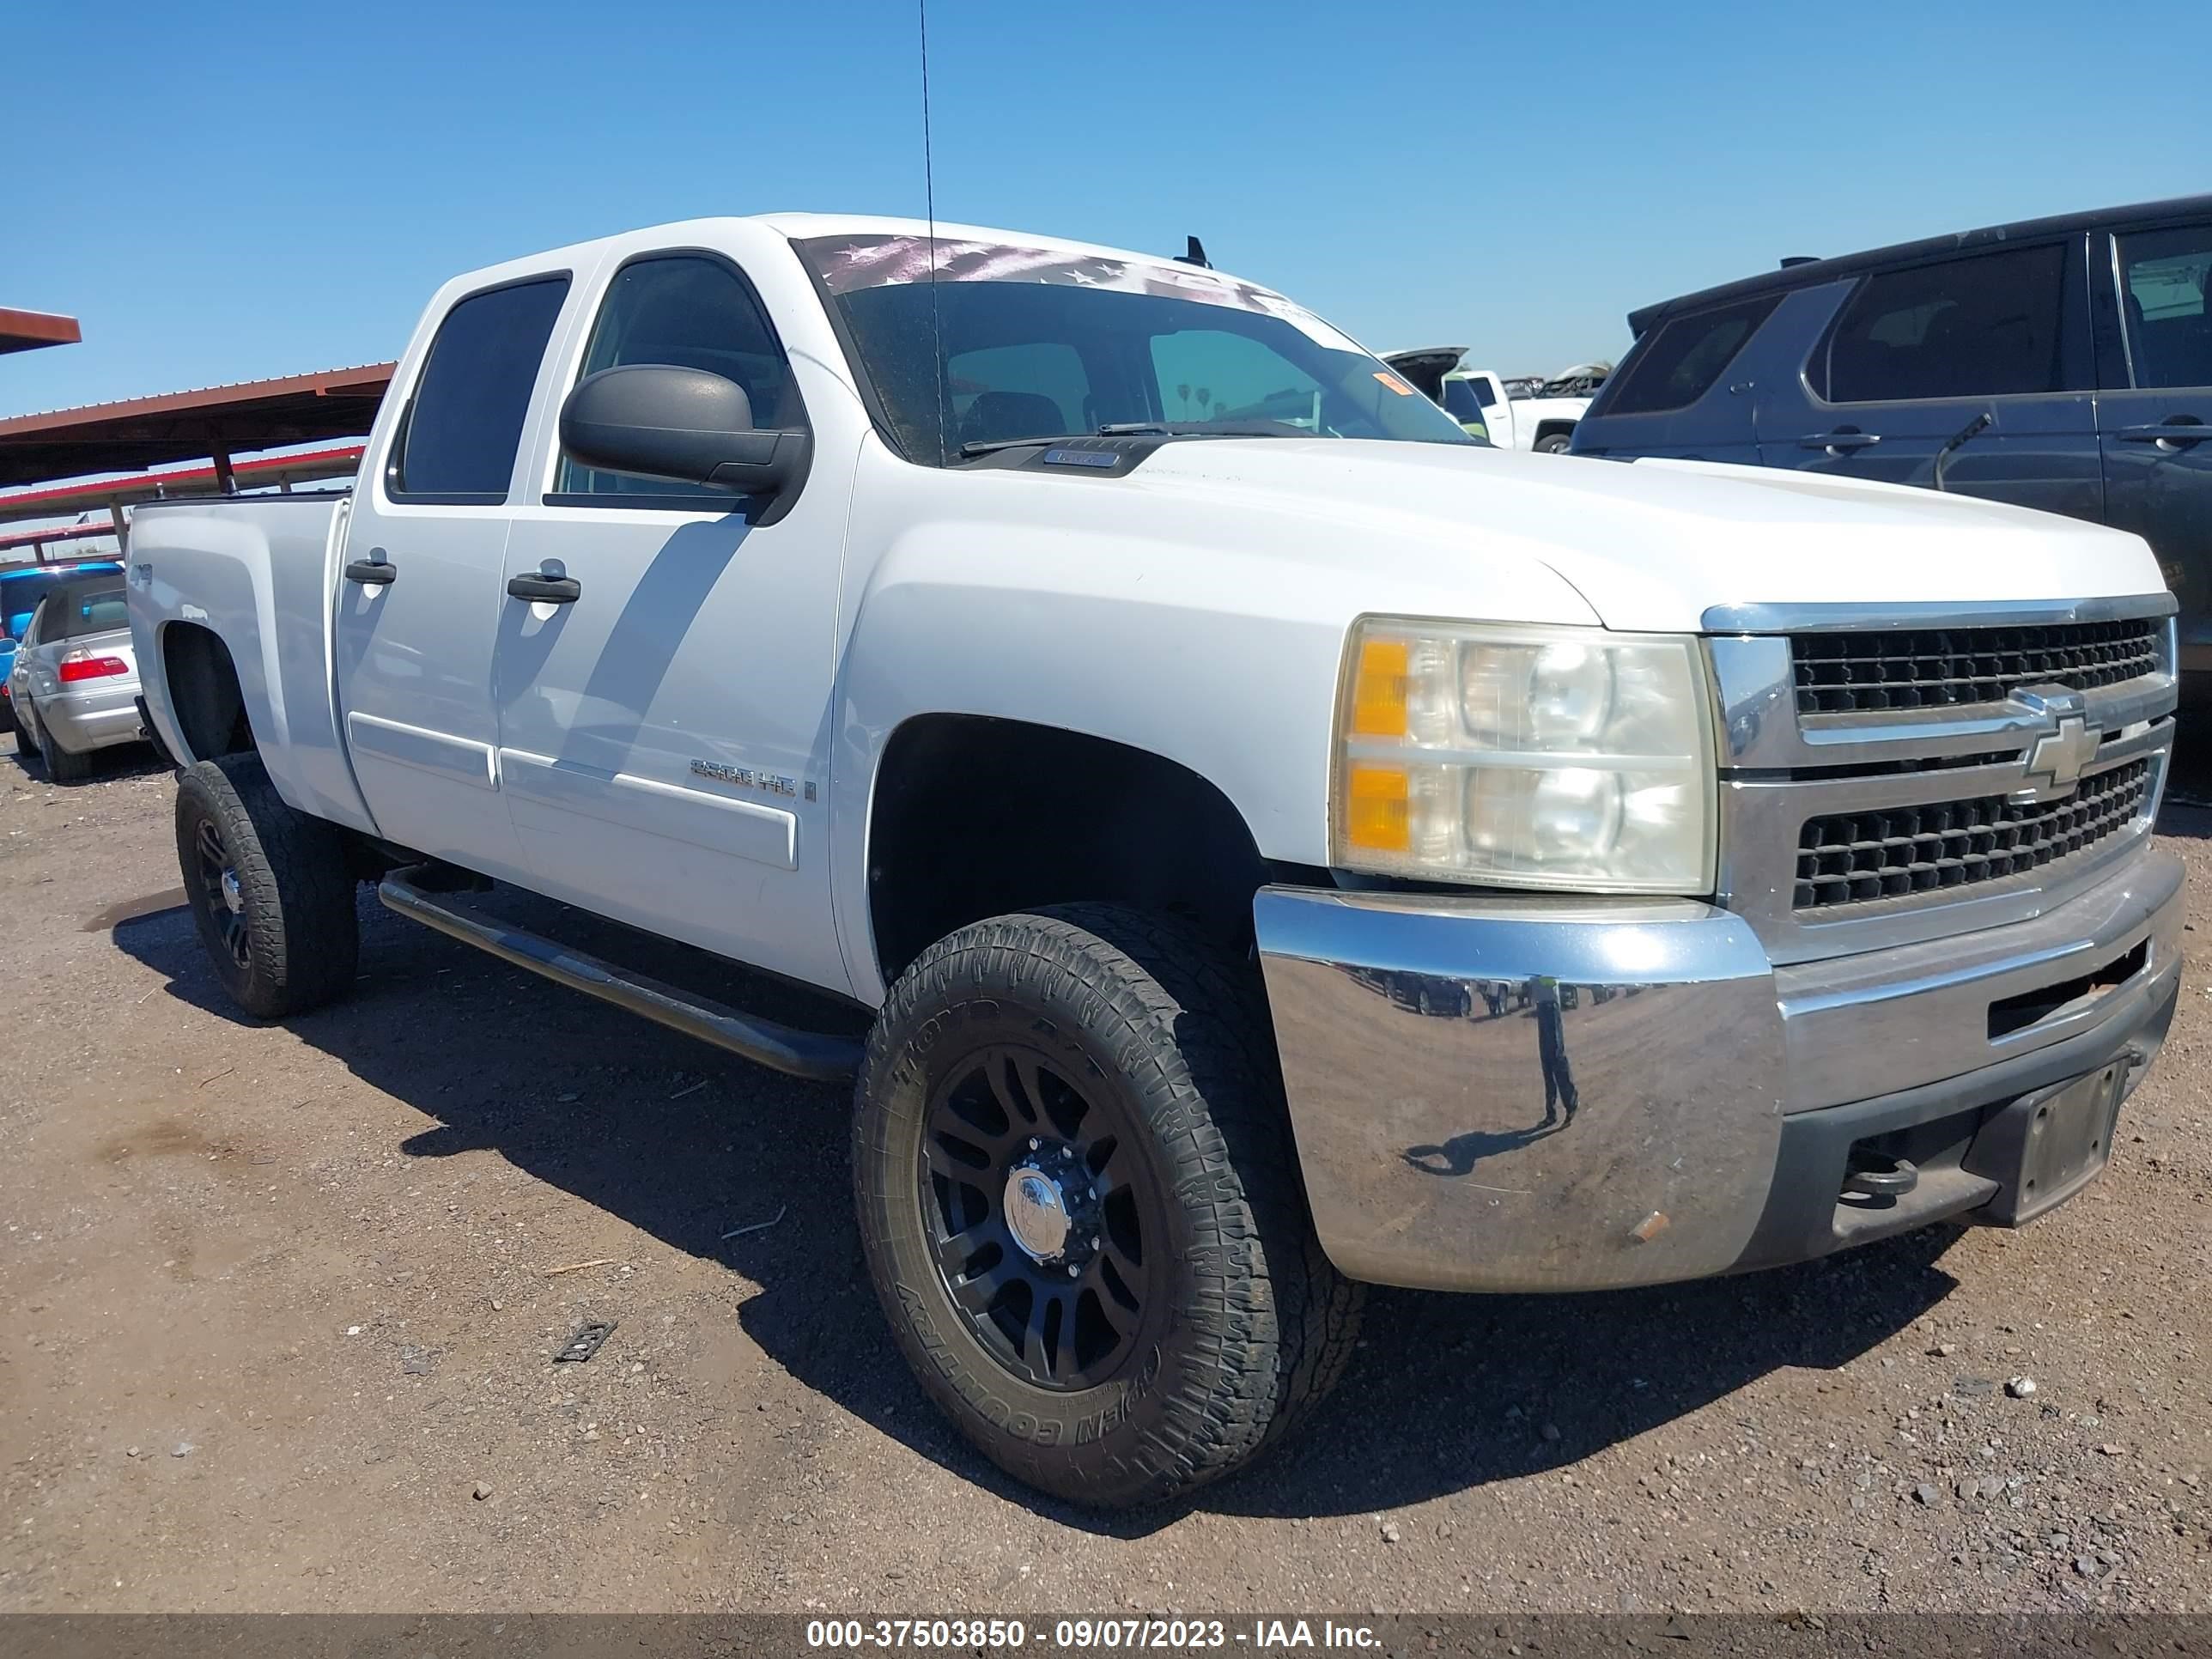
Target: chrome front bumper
x,y
1504,1094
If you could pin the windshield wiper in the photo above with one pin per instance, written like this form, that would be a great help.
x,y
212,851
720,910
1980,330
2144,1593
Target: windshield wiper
x,y
1146,429
1251,428
985,446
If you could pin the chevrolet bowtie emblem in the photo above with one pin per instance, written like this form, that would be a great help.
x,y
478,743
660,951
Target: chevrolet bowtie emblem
x,y
2055,763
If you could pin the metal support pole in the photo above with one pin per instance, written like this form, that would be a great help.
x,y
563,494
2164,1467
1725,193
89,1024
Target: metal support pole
x,y
122,529
225,480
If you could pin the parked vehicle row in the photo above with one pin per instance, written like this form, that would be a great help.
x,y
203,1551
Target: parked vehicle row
x,y
2062,363
21,590
1282,843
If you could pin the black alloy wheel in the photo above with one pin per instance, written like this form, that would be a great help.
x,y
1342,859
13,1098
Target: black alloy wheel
x,y
223,899
1035,1215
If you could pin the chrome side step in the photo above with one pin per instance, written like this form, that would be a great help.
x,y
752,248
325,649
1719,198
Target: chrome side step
x,y
814,1054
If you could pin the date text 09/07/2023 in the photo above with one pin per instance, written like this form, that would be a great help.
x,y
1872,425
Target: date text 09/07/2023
x,y
1263,1635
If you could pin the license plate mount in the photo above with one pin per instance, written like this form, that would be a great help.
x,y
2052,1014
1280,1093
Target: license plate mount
x,y
2047,1146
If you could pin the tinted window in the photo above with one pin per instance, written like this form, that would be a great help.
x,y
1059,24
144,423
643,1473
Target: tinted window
x,y
1986,326
692,311
1680,363
2165,275
1461,401
75,611
466,421
1215,374
1038,389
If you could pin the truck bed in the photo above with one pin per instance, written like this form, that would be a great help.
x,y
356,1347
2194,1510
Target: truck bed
x,y
260,572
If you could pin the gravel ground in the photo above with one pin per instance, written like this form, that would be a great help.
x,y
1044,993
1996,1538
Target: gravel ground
x,y
283,1316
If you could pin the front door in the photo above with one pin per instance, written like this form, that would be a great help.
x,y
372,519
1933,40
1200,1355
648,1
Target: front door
x,y
421,598
1969,374
663,723
2155,416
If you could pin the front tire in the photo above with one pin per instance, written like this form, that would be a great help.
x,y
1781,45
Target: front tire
x,y
1080,1205
271,887
1554,443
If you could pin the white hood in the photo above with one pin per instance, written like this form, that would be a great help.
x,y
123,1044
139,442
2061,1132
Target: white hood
x,y
1652,546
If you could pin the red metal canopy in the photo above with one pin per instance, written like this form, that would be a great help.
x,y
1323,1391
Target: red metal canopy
x,y
105,494
188,426
27,331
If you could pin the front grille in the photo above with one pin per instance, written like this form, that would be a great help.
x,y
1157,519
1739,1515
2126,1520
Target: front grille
x,y
1944,667
1851,858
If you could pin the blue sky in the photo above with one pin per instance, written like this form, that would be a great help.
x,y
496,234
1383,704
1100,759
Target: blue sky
x,y
225,191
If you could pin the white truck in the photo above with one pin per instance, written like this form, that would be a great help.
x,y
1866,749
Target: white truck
x,y
1272,851
1480,399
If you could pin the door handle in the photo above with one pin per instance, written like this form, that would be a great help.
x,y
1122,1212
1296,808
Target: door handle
x,y
543,589
1839,441
2187,431
372,573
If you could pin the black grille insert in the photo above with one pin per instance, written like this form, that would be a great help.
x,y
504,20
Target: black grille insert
x,y
1853,857
1945,667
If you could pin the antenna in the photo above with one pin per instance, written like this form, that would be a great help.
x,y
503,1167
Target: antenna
x,y
929,196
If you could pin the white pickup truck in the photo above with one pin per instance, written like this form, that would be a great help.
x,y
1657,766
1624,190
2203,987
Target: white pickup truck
x,y
1479,400
1278,842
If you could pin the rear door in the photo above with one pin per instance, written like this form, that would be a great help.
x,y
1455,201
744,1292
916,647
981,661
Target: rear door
x,y
665,729
421,596
2155,363
1978,367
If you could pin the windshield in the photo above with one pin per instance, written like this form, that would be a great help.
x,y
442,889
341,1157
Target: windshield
x,y
1043,343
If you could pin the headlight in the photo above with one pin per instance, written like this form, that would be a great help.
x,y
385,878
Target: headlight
x,y
1557,757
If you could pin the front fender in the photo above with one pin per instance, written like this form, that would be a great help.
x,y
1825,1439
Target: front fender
x,y
954,621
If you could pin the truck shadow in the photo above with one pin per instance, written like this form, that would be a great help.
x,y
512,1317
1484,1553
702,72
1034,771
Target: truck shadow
x,y
1444,1392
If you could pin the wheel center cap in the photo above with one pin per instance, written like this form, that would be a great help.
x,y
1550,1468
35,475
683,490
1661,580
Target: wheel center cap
x,y
1036,1213
233,896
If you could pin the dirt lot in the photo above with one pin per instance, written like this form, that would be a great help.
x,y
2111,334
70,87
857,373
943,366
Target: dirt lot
x,y
281,1325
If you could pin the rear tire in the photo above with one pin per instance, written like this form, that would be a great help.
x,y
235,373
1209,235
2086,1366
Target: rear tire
x,y
1554,443
64,765
1127,1064
271,889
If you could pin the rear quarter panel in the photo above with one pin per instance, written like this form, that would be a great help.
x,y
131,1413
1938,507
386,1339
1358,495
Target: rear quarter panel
x,y
257,573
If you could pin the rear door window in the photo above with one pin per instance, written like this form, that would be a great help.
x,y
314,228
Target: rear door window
x,y
1463,401
466,424
1038,389
1222,374
2164,275
1682,361
1983,326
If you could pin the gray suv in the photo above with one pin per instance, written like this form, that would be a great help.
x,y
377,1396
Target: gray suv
x,y
2061,363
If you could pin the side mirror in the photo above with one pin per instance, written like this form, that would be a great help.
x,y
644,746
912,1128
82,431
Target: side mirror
x,y
687,425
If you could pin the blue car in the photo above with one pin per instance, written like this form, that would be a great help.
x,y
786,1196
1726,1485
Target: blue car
x,y
21,590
